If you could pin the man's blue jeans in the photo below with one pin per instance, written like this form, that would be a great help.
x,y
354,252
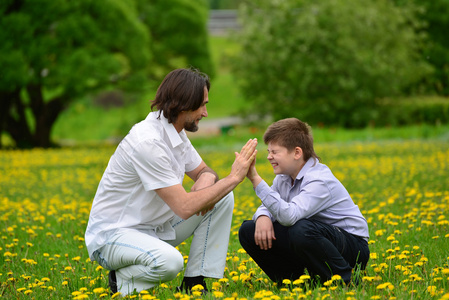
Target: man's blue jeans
x,y
322,249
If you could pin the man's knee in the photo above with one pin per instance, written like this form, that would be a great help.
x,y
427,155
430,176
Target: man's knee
x,y
167,264
227,202
173,266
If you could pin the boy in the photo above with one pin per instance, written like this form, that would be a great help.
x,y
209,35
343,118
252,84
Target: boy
x,y
307,219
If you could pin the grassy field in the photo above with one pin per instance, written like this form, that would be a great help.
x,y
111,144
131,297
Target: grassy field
x,y
397,176
400,186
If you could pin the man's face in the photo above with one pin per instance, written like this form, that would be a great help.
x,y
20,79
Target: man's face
x,y
193,117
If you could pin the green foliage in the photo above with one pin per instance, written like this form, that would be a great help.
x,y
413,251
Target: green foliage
x,y
179,32
52,52
55,51
326,61
435,14
72,46
397,112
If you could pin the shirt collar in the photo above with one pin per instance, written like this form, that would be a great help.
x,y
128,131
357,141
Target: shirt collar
x,y
309,163
172,133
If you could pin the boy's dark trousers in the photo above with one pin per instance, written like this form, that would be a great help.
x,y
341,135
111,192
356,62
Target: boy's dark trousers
x,y
322,249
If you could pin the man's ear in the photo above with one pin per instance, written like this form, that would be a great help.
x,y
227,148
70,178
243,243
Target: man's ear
x,y
298,153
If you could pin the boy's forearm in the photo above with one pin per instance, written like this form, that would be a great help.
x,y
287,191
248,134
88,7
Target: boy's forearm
x,y
256,180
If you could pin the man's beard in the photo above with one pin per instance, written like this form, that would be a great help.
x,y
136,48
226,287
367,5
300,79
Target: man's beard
x,y
191,126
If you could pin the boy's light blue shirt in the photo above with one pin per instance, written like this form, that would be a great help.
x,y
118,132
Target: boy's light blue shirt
x,y
315,194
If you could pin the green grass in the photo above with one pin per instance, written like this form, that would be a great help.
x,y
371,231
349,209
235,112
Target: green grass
x,y
401,187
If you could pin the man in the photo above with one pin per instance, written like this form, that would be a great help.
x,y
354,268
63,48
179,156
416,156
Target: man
x,y
141,211
307,219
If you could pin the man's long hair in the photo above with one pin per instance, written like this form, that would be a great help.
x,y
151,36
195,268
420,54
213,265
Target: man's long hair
x,y
181,90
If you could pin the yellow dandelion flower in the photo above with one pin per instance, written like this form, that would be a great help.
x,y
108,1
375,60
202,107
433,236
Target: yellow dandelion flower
x,y
197,287
328,283
218,294
241,268
432,290
304,277
286,281
336,277
99,290
197,293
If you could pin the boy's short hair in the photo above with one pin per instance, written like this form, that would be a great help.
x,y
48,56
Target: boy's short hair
x,y
291,133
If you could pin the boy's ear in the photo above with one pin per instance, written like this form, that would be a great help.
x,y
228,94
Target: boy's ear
x,y
298,152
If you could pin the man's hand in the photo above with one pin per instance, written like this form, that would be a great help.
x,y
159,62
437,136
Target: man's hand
x,y
244,159
264,234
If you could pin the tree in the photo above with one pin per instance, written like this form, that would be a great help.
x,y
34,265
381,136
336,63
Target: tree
x,y
435,14
54,51
179,32
326,61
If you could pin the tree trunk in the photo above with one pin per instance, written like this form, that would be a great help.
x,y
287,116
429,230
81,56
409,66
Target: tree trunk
x,y
45,115
16,122
6,100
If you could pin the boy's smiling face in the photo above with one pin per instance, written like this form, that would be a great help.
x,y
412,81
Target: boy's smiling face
x,y
284,161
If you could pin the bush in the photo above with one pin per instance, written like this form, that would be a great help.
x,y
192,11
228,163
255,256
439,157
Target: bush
x,y
397,112
326,61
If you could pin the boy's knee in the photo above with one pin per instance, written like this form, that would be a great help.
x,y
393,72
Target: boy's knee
x,y
302,233
246,231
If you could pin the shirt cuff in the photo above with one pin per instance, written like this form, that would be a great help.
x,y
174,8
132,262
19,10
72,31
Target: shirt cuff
x,y
262,190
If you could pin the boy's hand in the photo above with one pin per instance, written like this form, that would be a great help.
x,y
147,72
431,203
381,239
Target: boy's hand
x,y
264,234
253,175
